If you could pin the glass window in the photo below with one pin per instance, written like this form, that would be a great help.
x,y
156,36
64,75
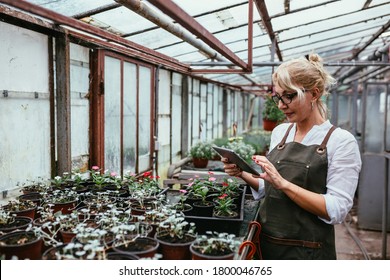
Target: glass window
x,y
127,130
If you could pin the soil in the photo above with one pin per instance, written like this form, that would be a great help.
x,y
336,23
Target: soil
x,y
17,223
136,247
18,239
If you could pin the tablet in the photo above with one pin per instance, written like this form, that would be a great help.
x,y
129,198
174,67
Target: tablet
x,y
233,157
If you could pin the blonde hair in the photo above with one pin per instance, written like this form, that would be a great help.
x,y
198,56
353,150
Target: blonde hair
x,y
307,73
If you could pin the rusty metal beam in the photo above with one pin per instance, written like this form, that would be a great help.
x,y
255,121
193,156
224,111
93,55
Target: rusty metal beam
x,y
179,67
367,4
286,6
12,16
78,25
262,9
189,23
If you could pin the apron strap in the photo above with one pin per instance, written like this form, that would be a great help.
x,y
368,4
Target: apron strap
x,y
322,148
283,142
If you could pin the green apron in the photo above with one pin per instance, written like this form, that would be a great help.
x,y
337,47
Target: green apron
x,y
288,231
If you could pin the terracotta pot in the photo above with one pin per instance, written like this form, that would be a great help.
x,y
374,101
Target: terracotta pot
x,y
19,223
175,249
121,256
67,236
26,213
200,162
31,249
143,247
199,256
65,208
269,125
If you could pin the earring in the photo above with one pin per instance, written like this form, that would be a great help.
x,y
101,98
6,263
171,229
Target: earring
x,y
312,105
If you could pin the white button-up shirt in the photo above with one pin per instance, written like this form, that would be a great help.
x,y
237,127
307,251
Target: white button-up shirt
x,y
344,164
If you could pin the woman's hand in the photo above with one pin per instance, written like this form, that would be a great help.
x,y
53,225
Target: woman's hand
x,y
231,169
270,173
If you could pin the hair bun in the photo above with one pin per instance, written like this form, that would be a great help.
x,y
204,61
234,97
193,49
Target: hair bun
x,y
315,58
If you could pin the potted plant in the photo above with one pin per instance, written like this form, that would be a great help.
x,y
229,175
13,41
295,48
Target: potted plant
x,y
272,115
201,153
61,200
181,205
224,207
175,236
214,246
24,208
9,222
21,244
140,245
33,187
202,207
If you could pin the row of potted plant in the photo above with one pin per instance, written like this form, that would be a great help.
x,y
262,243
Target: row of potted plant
x,y
174,238
98,223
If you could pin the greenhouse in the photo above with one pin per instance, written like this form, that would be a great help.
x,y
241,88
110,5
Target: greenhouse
x,y
188,130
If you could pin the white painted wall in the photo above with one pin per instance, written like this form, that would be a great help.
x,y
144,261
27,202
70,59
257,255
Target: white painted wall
x,y
24,119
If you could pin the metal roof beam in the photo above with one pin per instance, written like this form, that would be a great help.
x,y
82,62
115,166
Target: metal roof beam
x,y
372,39
277,63
196,16
184,19
333,17
262,9
302,9
96,11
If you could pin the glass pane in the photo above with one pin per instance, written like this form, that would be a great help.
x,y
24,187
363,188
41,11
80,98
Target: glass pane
x,y
144,117
195,112
345,111
79,75
112,125
203,111
176,121
374,122
129,117
210,106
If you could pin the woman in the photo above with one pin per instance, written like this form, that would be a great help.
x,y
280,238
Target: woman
x,y
311,172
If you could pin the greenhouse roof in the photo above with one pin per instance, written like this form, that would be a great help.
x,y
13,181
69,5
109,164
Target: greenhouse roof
x,y
240,42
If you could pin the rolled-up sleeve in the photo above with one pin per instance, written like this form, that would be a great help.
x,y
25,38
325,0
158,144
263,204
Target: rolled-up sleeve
x,y
259,194
343,175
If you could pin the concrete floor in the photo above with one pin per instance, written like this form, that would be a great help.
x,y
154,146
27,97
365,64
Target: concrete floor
x,y
353,243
